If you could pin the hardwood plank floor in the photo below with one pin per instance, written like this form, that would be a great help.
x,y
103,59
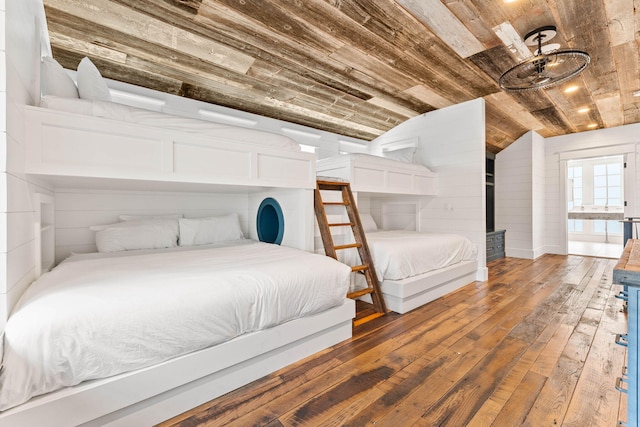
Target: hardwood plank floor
x,y
532,346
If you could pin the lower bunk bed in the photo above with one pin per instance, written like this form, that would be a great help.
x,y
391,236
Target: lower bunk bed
x,y
415,268
139,336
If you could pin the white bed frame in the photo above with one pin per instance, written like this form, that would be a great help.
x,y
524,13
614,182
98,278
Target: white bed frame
x,y
370,174
151,395
404,295
64,148
62,145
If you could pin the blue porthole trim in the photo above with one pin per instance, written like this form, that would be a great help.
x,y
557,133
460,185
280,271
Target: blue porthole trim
x,y
270,221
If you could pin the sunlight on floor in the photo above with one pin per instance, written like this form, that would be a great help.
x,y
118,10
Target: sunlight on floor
x,y
601,250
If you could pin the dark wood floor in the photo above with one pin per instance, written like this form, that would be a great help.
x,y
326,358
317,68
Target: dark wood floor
x,y
532,346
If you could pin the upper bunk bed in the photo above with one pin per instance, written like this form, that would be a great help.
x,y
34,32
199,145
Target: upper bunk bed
x,y
376,174
80,133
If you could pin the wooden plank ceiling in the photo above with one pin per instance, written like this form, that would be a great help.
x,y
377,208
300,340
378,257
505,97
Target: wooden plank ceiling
x,y
361,67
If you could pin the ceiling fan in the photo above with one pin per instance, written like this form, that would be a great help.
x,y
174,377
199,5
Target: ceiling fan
x,y
548,67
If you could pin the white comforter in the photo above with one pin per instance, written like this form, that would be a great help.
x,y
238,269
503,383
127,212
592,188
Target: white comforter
x,y
401,254
93,318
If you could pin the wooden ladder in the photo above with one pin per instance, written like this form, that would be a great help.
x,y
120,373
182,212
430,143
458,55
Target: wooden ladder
x,y
367,268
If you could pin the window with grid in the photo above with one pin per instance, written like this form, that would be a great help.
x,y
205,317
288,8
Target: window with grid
x,y
607,184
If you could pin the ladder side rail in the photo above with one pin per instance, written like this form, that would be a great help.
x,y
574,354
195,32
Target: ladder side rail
x,y
323,225
363,249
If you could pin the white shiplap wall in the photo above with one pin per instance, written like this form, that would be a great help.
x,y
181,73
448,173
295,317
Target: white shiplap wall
x,y
78,209
451,142
520,196
19,47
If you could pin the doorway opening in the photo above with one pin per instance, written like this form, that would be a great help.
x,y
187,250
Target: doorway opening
x,y
595,206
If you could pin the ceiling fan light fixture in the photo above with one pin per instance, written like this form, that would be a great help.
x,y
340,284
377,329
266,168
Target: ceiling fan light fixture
x,y
549,67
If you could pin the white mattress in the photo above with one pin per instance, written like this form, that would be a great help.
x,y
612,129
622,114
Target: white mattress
x,y
121,112
93,317
399,254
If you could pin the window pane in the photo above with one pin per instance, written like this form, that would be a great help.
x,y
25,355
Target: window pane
x,y
615,202
577,171
599,181
575,225
600,169
614,227
598,226
599,202
613,168
614,192
600,193
614,180
577,194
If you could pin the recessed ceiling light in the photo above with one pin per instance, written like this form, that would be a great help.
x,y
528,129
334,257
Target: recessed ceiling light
x,y
636,93
584,110
592,125
571,89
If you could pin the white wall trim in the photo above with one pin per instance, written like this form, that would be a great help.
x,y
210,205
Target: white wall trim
x,y
596,152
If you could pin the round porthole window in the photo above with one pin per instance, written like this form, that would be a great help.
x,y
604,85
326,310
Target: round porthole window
x,y
270,221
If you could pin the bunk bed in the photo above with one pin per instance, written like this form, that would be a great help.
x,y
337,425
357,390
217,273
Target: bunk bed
x,y
377,174
395,179
69,142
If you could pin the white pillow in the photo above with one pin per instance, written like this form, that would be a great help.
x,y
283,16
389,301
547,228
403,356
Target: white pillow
x,y
56,81
148,217
368,224
69,105
91,85
131,235
405,155
202,231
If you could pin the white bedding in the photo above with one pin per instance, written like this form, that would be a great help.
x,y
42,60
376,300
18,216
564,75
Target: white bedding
x,y
94,317
121,112
399,254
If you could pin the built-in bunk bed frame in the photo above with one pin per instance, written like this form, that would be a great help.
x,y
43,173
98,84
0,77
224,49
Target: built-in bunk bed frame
x,y
65,148
390,182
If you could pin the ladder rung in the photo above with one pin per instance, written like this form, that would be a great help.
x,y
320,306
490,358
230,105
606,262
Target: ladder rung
x,y
351,245
335,203
359,268
356,294
365,319
331,185
341,224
